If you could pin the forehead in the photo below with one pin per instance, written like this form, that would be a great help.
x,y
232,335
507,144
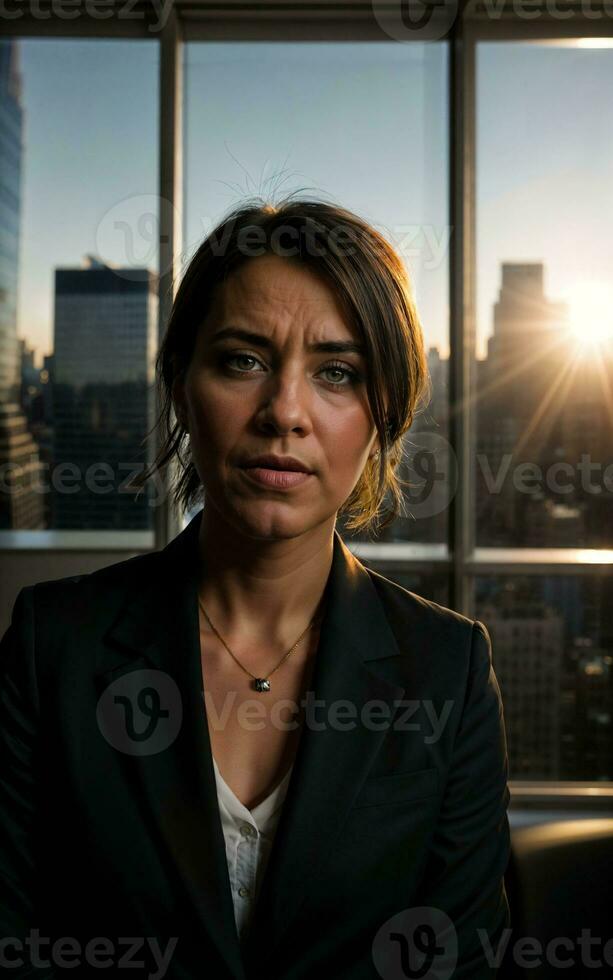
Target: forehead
x,y
271,290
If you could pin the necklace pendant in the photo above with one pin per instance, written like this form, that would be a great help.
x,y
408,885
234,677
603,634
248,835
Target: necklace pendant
x,y
261,684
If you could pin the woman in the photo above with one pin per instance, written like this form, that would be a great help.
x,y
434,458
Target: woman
x,y
247,752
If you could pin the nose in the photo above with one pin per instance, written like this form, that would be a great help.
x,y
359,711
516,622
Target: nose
x,y
285,403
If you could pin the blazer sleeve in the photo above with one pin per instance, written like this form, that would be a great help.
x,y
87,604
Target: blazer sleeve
x,y
471,843
19,712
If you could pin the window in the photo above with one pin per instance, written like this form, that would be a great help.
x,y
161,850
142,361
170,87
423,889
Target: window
x,y
335,117
78,289
483,154
544,376
551,641
545,296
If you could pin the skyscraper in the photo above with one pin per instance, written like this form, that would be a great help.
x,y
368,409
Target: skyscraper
x,y
105,338
11,125
21,503
521,395
527,349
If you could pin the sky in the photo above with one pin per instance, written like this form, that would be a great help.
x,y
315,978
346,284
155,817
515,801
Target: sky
x,y
363,125
544,166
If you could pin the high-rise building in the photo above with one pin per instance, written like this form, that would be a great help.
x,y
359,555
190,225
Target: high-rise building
x,y
21,499
527,352
11,150
526,387
105,339
528,644
544,425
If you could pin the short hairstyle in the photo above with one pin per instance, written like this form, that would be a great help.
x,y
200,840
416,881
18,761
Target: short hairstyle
x,y
372,285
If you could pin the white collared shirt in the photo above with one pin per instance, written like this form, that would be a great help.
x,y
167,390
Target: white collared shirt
x,y
249,836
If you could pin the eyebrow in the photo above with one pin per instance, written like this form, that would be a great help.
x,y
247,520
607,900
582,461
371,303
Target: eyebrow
x,y
322,347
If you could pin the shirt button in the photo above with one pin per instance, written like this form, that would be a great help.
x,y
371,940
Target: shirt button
x,y
244,892
247,830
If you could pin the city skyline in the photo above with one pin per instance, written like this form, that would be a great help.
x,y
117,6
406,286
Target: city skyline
x,y
584,338
538,399
67,129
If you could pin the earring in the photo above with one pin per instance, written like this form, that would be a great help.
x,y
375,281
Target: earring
x,y
376,454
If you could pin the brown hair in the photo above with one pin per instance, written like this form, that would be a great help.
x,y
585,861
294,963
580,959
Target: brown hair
x,y
372,284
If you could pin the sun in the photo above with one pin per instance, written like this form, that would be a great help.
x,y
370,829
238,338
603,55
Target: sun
x,y
590,314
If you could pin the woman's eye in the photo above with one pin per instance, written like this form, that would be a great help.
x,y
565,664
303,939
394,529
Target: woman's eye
x,y
348,375
238,357
351,375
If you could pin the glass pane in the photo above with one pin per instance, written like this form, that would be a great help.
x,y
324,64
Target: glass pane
x,y
364,125
552,643
545,296
78,293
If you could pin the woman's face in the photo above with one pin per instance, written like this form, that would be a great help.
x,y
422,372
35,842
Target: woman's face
x,y
276,392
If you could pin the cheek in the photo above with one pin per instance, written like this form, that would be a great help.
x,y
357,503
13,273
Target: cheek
x,y
216,415
344,443
346,432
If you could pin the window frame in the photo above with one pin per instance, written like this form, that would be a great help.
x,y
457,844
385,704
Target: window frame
x,y
344,20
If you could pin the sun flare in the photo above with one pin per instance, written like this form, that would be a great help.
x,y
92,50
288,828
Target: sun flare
x,y
590,309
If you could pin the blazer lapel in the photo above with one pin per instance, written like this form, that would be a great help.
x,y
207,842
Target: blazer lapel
x,y
158,627
332,759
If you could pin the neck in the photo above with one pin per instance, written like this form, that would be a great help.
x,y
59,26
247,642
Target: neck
x,y
271,589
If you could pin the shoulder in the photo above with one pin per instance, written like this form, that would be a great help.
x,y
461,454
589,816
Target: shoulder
x,y
56,625
440,636
74,597
427,614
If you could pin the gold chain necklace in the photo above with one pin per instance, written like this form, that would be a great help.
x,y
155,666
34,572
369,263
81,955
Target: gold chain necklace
x,y
260,683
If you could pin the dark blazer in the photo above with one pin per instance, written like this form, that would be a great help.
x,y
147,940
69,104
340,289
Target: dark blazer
x,y
393,839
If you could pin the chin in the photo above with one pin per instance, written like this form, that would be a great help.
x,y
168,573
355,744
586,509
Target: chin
x,y
274,522
275,528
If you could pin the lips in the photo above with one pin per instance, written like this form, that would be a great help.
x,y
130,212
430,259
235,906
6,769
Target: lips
x,y
270,461
275,479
